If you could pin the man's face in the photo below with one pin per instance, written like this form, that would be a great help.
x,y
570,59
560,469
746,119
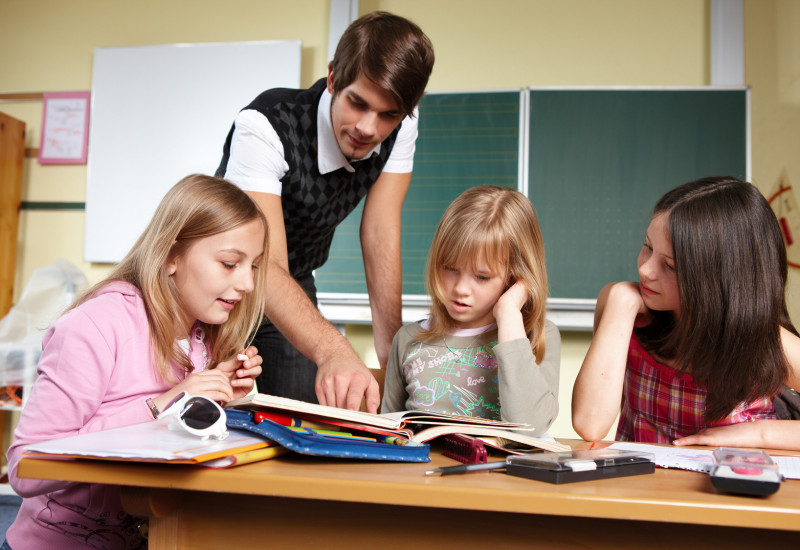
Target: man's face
x,y
362,115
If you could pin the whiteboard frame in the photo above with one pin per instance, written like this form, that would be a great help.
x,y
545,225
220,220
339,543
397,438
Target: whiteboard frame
x,y
160,113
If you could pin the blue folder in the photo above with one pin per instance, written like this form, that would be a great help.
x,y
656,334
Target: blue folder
x,y
312,443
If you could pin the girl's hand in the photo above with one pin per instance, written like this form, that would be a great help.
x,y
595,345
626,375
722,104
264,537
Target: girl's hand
x,y
213,384
743,434
511,300
508,313
242,374
627,295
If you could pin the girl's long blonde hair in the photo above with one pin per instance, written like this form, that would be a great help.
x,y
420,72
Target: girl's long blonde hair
x,y
500,225
198,206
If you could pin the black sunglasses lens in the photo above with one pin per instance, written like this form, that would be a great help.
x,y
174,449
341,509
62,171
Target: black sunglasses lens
x,y
199,413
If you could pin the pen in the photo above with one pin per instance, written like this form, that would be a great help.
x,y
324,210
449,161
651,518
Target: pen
x,y
464,468
394,440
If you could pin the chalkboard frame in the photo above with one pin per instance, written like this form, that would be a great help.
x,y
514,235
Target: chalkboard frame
x,y
568,313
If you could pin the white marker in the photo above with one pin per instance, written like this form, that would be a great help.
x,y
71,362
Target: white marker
x,y
242,357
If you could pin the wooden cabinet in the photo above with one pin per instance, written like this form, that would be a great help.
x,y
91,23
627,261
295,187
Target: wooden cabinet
x,y
12,155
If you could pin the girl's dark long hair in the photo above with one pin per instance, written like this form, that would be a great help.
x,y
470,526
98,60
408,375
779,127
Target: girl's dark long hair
x,y
730,262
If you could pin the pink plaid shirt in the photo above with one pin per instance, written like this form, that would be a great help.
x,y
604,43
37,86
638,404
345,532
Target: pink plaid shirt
x,y
659,404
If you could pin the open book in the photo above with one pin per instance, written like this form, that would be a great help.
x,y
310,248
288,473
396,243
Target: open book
x,y
258,401
416,425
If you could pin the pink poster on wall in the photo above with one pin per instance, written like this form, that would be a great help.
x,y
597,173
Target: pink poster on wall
x,y
65,128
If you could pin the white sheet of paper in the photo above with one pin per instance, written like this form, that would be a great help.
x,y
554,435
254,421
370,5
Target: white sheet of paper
x,y
152,440
689,458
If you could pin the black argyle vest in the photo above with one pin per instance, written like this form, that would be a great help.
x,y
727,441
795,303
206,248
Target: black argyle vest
x,y
313,203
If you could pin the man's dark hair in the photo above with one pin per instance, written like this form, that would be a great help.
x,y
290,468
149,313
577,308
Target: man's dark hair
x,y
391,52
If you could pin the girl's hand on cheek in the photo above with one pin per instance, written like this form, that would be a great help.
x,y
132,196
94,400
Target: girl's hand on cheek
x,y
626,296
508,313
511,300
629,293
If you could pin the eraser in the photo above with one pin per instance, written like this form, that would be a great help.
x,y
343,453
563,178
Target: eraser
x,y
465,448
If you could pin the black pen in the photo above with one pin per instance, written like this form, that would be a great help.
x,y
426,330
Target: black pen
x,y
464,468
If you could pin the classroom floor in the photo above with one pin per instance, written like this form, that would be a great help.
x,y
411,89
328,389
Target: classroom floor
x,y
9,505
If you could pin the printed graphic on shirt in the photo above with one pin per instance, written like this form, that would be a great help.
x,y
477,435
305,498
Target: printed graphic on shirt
x,y
453,380
117,531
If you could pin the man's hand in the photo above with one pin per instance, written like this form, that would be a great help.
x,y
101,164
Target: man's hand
x,y
343,380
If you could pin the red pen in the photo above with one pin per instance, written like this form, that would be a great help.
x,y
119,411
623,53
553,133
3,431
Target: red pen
x,y
278,418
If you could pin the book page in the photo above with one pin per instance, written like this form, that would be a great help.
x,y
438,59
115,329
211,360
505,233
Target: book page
x,y
257,400
439,418
436,431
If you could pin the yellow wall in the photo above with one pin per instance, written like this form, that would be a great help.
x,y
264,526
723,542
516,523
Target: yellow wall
x,y
772,70
47,45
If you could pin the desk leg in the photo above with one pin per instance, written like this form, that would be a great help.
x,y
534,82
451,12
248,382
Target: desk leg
x,y
165,532
162,507
4,478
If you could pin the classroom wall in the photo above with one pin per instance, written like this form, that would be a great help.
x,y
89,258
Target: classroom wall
x,y
772,70
47,45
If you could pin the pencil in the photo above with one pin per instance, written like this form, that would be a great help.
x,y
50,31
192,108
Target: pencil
x,y
464,468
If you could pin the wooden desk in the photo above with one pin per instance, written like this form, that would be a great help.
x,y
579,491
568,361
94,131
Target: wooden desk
x,y
303,502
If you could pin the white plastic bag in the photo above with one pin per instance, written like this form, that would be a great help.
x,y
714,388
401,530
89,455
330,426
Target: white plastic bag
x,y
50,291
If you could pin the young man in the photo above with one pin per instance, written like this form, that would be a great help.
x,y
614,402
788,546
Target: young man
x,y
308,157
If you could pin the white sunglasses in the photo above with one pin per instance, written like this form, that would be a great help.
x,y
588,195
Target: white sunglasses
x,y
198,415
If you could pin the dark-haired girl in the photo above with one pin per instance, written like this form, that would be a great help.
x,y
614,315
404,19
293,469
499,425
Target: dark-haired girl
x,y
697,350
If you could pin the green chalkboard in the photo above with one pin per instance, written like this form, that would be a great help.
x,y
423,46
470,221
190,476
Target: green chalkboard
x,y
465,139
600,159
596,159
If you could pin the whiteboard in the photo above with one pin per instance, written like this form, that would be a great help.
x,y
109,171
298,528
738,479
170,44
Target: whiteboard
x,y
159,113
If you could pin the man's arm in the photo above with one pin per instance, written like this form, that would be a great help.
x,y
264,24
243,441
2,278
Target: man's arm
x,y
380,244
342,378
